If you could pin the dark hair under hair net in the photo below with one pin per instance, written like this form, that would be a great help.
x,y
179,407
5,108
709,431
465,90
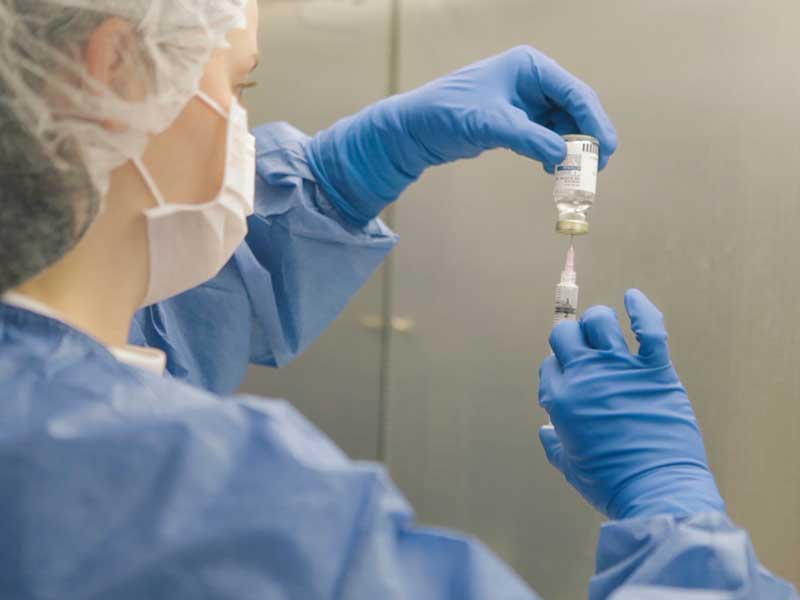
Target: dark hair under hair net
x,y
56,157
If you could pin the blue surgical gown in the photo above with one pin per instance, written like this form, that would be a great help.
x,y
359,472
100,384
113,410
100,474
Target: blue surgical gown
x,y
116,483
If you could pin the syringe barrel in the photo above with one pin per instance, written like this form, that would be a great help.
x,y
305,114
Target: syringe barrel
x,y
566,304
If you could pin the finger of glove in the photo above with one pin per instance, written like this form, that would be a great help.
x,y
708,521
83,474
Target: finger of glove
x,y
647,323
581,103
549,374
512,129
602,330
552,446
563,124
568,342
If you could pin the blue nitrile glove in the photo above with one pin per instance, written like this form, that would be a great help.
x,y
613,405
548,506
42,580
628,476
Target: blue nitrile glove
x,y
624,432
521,100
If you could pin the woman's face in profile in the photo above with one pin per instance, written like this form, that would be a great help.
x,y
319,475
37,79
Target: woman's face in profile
x,y
188,159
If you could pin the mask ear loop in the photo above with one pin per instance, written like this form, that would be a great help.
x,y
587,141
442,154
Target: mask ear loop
x,y
216,106
149,181
229,136
145,172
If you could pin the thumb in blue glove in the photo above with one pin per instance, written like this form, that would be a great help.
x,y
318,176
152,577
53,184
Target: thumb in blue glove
x,y
520,100
624,432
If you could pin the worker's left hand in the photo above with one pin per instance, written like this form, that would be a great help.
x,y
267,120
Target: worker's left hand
x,y
520,100
625,434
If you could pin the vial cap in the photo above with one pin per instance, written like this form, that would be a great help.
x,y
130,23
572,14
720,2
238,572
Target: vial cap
x,y
571,227
581,138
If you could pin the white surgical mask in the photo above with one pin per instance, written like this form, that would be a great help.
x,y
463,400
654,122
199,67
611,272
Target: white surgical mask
x,y
191,243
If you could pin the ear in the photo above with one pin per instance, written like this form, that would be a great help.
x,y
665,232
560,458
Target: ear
x,y
110,60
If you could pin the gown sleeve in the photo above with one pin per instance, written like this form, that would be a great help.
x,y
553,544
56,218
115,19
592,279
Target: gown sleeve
x,y
301,264
702,557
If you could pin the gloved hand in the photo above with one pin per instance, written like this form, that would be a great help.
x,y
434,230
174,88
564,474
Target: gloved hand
x,y
624,433
521,100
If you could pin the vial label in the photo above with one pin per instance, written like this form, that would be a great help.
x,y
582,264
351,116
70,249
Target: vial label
x,y
578,173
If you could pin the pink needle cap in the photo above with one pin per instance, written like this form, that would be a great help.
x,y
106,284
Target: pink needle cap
x,y
570,265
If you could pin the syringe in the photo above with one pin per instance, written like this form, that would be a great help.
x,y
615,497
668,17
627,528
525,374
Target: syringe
x,y
567,294
566,307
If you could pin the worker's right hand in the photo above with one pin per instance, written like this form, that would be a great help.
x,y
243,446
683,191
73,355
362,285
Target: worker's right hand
x,y
624,432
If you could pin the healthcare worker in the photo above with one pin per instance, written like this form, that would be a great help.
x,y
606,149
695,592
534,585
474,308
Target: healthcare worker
x,y
127,181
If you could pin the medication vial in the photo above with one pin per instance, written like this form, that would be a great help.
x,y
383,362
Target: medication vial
x,y
576,184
